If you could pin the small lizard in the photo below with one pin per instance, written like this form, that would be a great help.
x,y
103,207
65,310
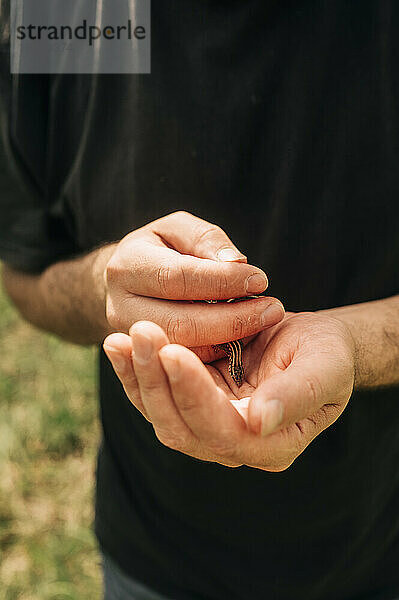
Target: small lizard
x,y
234,352
234,349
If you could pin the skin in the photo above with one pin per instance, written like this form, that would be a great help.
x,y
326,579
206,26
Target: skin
x,y
300,368
153,273
300,375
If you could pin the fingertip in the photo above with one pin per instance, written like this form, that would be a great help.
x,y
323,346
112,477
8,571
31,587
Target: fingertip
x,y
171,351
280,307
117,342
257,283
138,326
265,416
230,254
254,415
117,358
272,416
273,314
147,328
168,355
179,358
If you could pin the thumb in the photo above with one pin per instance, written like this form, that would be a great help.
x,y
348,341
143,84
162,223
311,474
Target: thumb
x,y
191,235
296,393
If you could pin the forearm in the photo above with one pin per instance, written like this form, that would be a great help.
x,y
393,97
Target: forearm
x,y
375,330
67,299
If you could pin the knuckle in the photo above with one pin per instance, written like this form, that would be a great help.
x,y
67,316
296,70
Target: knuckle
x,y
173,328
172,282
187,404
202,234
112,272
238,326
222,284
113,316
182,330
118,310
181,214
149,387
164,276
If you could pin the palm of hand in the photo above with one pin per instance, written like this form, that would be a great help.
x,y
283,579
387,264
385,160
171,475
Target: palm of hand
x,y
308,357
299,376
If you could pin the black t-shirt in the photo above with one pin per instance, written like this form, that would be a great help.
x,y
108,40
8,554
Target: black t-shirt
x,y
278,120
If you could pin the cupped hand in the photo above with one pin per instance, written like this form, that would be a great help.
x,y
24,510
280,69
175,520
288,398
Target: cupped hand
x,y
157,271
299,378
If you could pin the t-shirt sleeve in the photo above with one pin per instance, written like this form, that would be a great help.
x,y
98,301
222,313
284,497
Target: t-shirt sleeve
x,y
34,229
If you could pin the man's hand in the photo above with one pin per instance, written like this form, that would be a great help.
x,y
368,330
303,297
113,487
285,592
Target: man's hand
x,y
156,271
299,377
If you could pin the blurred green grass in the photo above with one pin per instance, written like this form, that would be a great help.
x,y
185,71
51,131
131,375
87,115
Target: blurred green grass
x,y
48,441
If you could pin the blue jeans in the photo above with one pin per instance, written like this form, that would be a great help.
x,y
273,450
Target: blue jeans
x,y
119,586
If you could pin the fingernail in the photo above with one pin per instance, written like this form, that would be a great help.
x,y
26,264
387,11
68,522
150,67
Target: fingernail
x,y
256,283
272,314
230,255
117,359
171,365
272,416
142,348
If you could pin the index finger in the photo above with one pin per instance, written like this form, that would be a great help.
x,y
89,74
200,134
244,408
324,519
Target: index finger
x,y
162,272
202,404
192,235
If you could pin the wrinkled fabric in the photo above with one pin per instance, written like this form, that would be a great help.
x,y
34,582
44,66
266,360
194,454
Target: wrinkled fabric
x,y
279,122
